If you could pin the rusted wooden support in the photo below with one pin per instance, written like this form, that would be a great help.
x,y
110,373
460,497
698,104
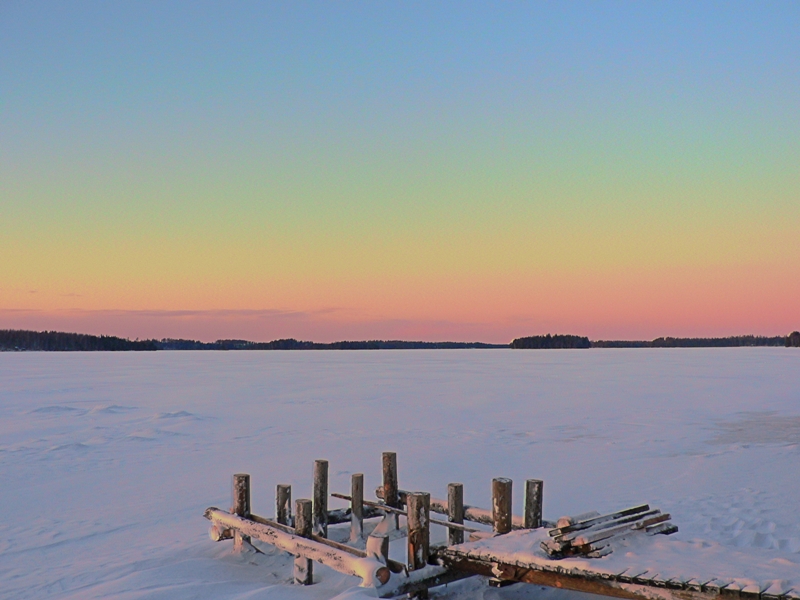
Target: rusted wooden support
x,y
320,519
339,557
356,506
455,512
501,505
283,504
240,506
419,536
303,567
532,506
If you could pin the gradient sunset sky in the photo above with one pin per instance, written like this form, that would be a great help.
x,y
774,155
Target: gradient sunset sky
x,y
415,170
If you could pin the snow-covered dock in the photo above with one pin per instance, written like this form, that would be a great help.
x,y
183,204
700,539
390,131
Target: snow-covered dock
x,y
614,555
657,568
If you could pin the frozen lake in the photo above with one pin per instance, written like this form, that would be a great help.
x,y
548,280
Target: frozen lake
x,y
107,460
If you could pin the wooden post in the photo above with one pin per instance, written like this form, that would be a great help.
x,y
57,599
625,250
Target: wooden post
x,y
391,495
533,503
419,512
241,506
320,525
283,504
356,506
501,504
303,567
455,512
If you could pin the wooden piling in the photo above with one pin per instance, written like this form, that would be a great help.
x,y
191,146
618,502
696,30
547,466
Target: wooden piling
x,y
320,524
241,505
356,506
455,512
283,504
501,504
303,527
391,494
390,489
533,503
419,512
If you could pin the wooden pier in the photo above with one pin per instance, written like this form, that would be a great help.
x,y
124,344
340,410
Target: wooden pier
x,y
517,549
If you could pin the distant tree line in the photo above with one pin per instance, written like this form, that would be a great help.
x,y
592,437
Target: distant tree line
x,y
723,342
22,340
293,344
17,339
550,342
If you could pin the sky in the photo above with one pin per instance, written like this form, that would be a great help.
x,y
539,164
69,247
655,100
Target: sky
x,y
415,170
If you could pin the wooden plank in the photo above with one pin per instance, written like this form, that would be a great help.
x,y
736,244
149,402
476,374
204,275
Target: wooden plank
x,y
455,513
607,525
587,583
601,519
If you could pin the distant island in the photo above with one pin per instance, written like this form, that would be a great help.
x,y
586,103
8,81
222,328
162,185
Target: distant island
x,y
575,341
19,340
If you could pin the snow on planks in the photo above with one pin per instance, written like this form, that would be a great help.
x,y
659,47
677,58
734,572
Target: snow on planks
x,y
593,536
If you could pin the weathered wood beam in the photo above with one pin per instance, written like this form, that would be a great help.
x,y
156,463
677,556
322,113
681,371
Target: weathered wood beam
x,y
599,519
394,566
345,561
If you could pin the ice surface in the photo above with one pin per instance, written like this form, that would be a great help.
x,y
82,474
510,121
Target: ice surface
x,y
108,460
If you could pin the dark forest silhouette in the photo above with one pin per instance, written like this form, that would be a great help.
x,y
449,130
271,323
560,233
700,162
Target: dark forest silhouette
x,y
23,340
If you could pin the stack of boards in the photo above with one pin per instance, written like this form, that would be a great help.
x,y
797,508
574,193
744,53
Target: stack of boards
x,y
592,534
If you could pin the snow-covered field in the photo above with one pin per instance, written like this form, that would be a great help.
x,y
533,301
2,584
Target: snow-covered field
x,y
107,460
